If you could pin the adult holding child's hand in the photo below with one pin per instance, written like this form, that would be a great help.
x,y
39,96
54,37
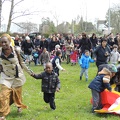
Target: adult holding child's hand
x,y
12,76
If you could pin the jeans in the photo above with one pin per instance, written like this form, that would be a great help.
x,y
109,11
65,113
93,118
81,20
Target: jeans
x,y
96,100
85,71
36,60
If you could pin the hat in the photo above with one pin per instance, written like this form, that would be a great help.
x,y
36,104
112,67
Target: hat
x,y
57,46
6,35
27,38
112,68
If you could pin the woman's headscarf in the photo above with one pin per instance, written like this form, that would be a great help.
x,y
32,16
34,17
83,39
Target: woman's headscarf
x,y
9,38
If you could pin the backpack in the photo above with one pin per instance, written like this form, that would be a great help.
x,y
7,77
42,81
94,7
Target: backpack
x,y
35,55
53,62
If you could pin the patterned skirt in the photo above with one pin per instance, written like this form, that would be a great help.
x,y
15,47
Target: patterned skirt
x,y
9,96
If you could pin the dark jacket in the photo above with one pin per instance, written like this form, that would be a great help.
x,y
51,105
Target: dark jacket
x,y
85,44
101,81
44,44
49,81
100,54
53,61
94,41
37,43
27,47
52,45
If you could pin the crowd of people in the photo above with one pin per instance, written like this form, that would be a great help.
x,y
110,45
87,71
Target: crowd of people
x,y
51,52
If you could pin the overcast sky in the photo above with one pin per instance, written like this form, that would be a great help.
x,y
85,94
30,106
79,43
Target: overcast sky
x,y
64,10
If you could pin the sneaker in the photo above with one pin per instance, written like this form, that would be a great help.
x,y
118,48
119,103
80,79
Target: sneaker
x,y
80,77
19,110
92,111
52,109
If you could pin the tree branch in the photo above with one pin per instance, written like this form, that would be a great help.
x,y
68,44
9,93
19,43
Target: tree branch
x,y
18,3
18,25
23,14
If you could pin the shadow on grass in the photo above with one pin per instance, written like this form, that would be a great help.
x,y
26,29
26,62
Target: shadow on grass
x,y
101,115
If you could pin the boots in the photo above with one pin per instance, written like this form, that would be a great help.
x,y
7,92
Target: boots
x,y
86,79
80,77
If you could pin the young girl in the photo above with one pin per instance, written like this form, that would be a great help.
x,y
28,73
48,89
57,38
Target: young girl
x,y
84,63
53,53
73,56
63,53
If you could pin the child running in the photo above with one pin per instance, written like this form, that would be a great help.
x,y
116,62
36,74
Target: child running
x,y
56,62
50,84
84,63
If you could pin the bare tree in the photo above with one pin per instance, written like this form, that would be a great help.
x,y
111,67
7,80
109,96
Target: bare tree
x,y
56,17
1,3
13,15
27,27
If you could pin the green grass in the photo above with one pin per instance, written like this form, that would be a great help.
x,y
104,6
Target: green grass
x,y
73,100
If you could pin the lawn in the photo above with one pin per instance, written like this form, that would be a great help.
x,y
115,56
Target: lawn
x,y
73,100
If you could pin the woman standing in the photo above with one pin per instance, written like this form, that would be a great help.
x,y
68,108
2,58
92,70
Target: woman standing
x,y
102,52
12,77
85,43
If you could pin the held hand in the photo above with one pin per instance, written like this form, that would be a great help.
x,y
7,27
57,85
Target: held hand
x,y
32,74
63,69
94,59
91,50
57,89
106,54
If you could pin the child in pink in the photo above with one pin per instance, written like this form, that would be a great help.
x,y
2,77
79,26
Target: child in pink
x,y
73,56
53,53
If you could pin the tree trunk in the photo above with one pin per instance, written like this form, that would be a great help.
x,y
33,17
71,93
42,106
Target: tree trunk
x,y
10,16
0,13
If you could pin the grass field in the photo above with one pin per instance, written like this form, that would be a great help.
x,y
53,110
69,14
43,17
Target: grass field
x,y
72,102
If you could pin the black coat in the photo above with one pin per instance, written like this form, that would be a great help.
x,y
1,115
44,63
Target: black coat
x,y
100,54
49,81
44,44
27,47
85,44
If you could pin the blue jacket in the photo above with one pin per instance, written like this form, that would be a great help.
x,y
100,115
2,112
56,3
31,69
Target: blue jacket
x,y
84,61
98,84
